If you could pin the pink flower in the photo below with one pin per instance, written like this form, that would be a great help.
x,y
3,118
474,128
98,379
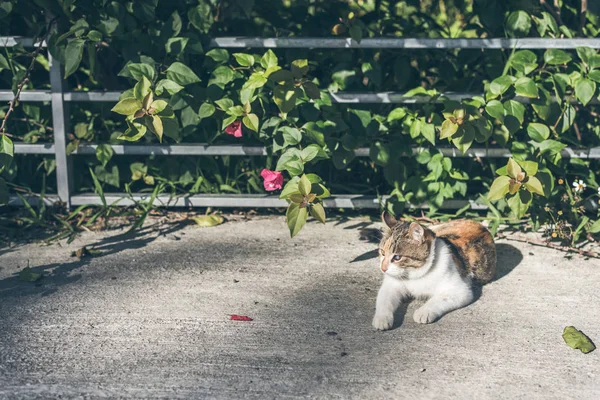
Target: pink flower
x,y
273,179
235,129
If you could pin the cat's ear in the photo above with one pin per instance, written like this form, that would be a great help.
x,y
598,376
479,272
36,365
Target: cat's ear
x,y
388,219
416,231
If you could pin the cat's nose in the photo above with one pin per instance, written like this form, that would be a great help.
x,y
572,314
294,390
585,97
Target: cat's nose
x,y
383,267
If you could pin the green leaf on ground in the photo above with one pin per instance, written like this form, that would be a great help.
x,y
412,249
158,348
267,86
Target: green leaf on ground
x,y
208,220
577,340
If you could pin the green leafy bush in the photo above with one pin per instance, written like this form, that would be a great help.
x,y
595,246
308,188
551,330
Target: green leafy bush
x,y
177,89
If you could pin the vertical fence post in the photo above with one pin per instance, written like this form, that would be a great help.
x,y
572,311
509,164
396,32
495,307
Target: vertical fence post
x,y
60,123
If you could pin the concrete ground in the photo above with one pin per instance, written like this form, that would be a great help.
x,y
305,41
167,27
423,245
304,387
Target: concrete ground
x,y
149,318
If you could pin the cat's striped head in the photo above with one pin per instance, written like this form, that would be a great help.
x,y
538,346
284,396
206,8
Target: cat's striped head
x,y
404,248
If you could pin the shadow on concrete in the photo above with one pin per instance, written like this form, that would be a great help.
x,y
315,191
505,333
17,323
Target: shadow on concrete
x,y
56,275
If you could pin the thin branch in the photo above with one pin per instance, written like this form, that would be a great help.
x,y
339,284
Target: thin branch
x,y
566,249
577,132
11,104
583,15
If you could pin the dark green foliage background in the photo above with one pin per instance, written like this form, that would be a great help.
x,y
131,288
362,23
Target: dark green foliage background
x,y
109,35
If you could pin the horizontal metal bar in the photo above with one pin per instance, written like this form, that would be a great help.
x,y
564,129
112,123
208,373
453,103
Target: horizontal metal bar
x,y
402,43
237,150
177,150
248,201
11,41
26,95
339,97
49,199
373,43
35,148
92,96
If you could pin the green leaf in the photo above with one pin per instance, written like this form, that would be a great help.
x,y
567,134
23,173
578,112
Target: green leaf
x,y
356,32
448,129
585,54
127,106
518,205
304,185
318,212
218,55
299,68
94,35
206,221
284,98
142,88
312,91
206,110
181,74
396,114
176,45
296,218
513,169
518,24
428,132
567,119
309,153
515,109
595,227
526,87
584,90
157,127
160,106
594,75
138,70
4,63
534,185
201,17
530,167
538,132
170,86
290,188
524,61
245,60
577,340
27,275
251,122
255,81
495,109
379,153
551,146
73,55
6,146
556,57
269,59
499,188
282,76
135,132
104,153
291,136
501,84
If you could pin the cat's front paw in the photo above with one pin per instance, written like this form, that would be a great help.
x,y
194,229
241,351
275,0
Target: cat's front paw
x,y
383,322
424,315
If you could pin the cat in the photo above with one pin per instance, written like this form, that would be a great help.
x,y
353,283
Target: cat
x,y
440,263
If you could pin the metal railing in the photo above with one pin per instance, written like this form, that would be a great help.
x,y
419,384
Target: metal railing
x,y
59,99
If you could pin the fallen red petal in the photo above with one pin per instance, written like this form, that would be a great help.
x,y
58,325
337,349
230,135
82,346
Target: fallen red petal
x,y
235,317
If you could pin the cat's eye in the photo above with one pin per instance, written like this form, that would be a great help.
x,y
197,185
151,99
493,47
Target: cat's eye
x,y
396,258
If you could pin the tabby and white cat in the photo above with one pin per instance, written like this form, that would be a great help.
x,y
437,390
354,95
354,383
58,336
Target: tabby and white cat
x,y
439,263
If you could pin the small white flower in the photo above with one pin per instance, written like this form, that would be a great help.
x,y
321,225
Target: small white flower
x,y
579,186
599,190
